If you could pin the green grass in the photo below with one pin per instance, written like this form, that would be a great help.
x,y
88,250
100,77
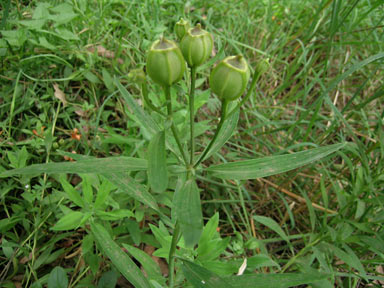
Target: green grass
x,y
323,85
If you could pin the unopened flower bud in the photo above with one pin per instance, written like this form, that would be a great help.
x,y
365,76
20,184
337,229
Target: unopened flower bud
x,y
165,63
137,75
196,45
229,79
262,66
181,28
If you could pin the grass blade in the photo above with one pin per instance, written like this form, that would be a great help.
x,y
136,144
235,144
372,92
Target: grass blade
x,y
271,224
267,166
121,260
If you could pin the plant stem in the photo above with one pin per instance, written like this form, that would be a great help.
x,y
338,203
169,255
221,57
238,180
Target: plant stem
x,y
144,90
167,93
13,104
255,77
224,106
171,258
192,111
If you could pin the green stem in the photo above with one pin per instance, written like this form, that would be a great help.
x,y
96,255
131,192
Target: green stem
x,y
144,90
301,252
224,106
255,77
171,258
167,92
192,111
13,104
5,14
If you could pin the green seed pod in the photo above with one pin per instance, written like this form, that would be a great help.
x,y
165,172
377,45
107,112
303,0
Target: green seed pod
x,y
137,75
55,145
181,28
165,63
229,79
196,46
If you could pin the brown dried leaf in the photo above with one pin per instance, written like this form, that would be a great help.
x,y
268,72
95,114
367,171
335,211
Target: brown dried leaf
x,y
103,52
163,266
81,113
59,94
380,270
25,259
18,284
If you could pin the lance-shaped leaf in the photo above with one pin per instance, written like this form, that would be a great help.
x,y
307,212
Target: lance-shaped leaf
x,y
94,165
271,165
225,133
142,118
203,278
69,221
273,225
149,265
186,203
284,280
118,257
157,163
132,188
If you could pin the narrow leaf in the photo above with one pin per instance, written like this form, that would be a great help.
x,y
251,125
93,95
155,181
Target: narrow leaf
x,y
226,132
121,260
209,231
271,165
210,244
72,193
272,224
96,165
186,203
203,278
274,280
69,221
149,265
114,215
87,189
132,188
157,163
103,193
143,119
213,249
349,257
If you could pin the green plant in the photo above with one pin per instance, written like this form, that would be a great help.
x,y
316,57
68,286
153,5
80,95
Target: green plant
x,y
168,160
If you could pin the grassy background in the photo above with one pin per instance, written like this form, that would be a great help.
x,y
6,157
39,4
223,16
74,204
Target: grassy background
x,y
323,85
